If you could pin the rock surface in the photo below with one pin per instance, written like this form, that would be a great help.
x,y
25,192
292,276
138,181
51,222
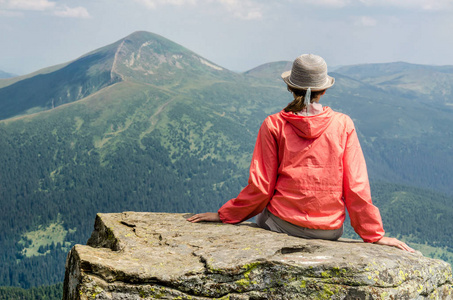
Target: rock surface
x,y
162,256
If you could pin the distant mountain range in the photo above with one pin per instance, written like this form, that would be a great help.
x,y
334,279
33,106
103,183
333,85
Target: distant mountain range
x,y
429,84
145,124
4,74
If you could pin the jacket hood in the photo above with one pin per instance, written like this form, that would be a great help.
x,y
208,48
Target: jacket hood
x,y
309,127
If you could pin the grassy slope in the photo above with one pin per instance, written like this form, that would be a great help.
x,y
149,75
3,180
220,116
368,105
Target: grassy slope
x,y
67,84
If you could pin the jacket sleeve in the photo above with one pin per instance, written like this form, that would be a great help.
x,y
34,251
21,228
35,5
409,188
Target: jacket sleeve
x,y
365,217
263,174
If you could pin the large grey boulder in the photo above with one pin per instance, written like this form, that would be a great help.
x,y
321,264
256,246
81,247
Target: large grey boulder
x,y
162,256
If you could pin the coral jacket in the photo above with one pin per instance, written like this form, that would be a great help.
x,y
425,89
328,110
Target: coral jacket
x,y
305,170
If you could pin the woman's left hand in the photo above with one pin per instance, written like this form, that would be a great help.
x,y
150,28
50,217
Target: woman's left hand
x,y
208,217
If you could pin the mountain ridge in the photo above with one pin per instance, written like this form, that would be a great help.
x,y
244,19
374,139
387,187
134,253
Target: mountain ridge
x,y
125,59
423,82
4,74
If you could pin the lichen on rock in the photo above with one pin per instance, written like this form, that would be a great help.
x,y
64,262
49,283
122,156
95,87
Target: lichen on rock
x,y
162,256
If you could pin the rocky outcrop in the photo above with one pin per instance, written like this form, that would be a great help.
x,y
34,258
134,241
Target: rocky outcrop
x,y
162,256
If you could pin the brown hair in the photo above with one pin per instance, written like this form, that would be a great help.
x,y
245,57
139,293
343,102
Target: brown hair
x,y
298,103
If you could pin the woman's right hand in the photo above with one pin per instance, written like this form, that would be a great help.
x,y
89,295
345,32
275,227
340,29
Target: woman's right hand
x,y
388,241
208,217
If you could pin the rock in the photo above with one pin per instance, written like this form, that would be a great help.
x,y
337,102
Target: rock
x,y
162,256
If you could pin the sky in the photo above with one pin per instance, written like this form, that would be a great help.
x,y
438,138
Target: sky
x,y
235,34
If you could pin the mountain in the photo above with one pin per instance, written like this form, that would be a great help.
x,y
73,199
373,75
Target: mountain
x,y
162,129
145,124
430,84
406,135
4,74
270,71
12,80
138,57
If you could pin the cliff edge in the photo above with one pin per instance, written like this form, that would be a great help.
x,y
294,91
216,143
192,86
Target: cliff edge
x,y
135,255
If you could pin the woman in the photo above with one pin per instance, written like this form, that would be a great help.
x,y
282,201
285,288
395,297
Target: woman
x,y
307,167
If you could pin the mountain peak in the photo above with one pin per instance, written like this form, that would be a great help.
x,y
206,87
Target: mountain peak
x,y
145,35
148,57
139,57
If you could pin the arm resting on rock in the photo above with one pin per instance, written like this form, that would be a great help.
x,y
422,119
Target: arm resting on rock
x,y
208,217
255,196
263,175
365,217
388,241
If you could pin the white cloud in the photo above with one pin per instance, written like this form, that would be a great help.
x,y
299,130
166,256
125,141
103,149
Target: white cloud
x,y
9,13
245,9
328,3
15,8
38,5
432,5
75,12
412,4
251,15
155,3
365,21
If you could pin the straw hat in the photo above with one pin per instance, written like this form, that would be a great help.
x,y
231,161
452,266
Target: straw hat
x,y
308,71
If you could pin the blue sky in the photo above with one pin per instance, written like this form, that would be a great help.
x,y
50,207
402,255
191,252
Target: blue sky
x,y
236,34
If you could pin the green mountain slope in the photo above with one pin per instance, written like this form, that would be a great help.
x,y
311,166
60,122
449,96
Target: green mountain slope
x,y
413,213
72,82
142,56
405,139
269,72
8,81
178,145
174,132
430,84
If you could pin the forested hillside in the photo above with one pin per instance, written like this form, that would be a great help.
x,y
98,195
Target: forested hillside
x,y
53,292
159,128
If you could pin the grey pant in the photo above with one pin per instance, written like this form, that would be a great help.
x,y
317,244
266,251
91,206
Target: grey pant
x,y
271,222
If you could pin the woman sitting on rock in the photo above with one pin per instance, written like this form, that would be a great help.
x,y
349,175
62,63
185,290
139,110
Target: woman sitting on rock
x,y
307,167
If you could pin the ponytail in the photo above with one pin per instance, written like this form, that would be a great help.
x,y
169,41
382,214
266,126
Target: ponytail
x,y
297,104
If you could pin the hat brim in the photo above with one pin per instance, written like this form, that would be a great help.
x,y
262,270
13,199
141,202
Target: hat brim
x,y
329,82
